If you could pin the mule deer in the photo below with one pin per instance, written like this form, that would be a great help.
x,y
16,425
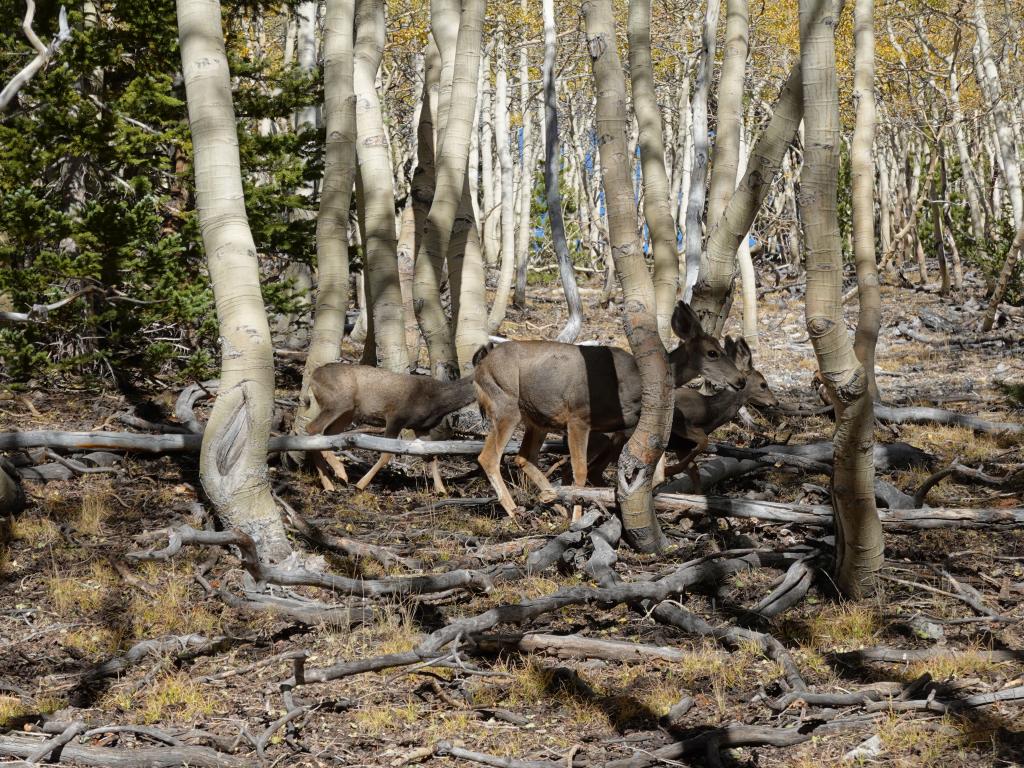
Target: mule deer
x,y
695,417
576,389
362,394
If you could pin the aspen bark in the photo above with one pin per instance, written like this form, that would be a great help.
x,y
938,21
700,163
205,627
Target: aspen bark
x,y
426,270
508,223
693,234
524,231
335,197
552,166
380,243
729,117
859,548
452,160
491,220
657,211
305,117
233,459
862,169
710,298
646,445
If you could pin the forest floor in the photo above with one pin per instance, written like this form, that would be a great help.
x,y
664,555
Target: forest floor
x,y
72,600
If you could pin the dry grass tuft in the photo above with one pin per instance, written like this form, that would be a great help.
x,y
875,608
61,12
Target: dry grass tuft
x,y
94,512
175,696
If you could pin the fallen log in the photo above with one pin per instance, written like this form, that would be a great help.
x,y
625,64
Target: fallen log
x,y
160,444
924,415
24,745
577,647
804,514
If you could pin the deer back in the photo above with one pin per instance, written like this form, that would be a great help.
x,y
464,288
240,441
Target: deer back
x,y
552,383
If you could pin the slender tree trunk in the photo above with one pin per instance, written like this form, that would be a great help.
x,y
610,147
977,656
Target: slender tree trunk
x,y
426,271
452,161
657,211
471,313
862,171
684,161
524,232
729,117
332,221
552,166
748,282
508,224
305,117
646,446
491,219
406,272
938,214
859,549
710,299
378,195
699,173
233,459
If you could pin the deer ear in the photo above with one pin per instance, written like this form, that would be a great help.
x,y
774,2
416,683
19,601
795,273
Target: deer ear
x,y
685,324
729,345
742,356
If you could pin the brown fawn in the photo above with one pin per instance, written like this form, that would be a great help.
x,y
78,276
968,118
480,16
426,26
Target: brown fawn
x,y
576,389
694,418
362,394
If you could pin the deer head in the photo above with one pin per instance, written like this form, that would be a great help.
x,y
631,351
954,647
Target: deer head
x,y
756,389
699,353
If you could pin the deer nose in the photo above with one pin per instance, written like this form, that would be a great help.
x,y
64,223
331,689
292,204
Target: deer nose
x,y
743,382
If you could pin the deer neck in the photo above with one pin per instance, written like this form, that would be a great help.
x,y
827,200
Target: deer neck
x,y
452,395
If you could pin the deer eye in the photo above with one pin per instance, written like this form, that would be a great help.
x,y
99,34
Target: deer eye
x,y
713,354
763,385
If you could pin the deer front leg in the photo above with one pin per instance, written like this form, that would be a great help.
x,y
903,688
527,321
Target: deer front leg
x,y
494,445
578,434
435,472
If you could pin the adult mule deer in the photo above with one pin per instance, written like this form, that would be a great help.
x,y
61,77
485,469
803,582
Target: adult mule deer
x,y
360,394
576,389
696,416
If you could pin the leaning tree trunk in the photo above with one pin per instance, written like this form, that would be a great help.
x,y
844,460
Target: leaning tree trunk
x,y
699,170
710,299
508,223
717,276
552,166
335,197
524,229
657,211
858,530
233,460
380,242
647,444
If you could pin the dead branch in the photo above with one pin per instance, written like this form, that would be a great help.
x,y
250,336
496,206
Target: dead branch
x,y
43,55
889,655
446,749
805,514
193,644
923,415
577,647
24,745
53,745
293,575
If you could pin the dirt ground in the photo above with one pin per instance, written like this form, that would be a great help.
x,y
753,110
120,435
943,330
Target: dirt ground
x,y
72,600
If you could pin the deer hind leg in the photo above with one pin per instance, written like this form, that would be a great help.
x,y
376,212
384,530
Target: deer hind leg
x,y
392,431
503,424
435,470
330,422
527,461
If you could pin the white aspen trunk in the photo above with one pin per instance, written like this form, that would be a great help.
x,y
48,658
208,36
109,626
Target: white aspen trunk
x,y
645,447
524,231
552,165
332,221
305,117
684,161
233,458
695,205
656,208
508,224
383,290
748,280
491,187
859,550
